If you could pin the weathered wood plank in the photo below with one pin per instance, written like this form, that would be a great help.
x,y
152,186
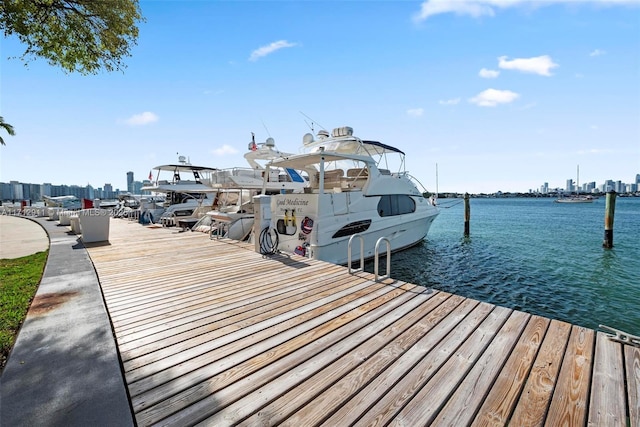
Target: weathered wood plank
x,y
442,385
208,397
632,368
463,405
415,378
608,401
353,409
569,403
352,348
536,395
187,325
501,400
338,380
217,334
203,340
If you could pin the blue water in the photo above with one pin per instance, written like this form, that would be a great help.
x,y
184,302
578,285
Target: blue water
x,y
536,256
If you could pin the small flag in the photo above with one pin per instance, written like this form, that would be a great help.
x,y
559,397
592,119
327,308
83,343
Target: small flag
x,y
150,176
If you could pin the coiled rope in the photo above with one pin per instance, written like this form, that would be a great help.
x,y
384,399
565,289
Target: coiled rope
x,y
268,241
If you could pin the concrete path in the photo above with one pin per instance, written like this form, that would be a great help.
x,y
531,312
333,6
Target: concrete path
x,y
64,369
21,237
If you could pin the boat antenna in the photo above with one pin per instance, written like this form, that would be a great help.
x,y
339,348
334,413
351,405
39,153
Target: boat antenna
x,y
265,127
312,122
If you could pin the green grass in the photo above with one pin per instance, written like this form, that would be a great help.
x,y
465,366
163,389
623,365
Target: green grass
x,y
19,280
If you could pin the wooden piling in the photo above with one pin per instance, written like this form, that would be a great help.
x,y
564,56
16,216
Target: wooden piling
x,y
609,211
467,214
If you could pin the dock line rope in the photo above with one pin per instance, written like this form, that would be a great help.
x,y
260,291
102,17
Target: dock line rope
x,y
268,244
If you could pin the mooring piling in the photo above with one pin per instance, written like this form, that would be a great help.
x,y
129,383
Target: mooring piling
x,y
467,214
609,211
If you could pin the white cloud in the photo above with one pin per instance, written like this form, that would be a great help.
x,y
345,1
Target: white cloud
x,y
415,112
461,7
493,97
538,65
597,52
142,119
269,49
224,150
479,8
453,101
488,74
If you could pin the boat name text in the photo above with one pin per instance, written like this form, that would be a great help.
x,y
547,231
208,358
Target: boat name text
x,y
292,202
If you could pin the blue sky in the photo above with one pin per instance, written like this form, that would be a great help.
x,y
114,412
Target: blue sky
x,y
501,95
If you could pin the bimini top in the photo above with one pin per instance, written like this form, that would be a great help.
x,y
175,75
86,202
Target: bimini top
x,y
380,148
184,168
343,141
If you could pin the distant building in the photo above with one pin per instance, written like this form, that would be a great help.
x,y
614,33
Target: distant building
x,y
130,187
45,189
16,190
544,188
569,187
107,192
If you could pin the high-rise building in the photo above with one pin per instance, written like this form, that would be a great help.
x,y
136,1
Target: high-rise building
x,y
569,186
46,189
130,188
107,192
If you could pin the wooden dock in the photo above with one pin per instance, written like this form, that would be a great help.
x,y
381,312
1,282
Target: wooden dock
x,y
212,332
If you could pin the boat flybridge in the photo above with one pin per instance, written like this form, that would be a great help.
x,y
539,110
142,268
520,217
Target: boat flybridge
x,y
232,214
349,189
187,193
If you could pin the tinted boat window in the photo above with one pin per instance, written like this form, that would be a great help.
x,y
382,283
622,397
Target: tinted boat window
x,y
396,204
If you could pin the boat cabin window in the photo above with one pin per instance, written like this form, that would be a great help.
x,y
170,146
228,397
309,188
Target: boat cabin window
x,y
396,204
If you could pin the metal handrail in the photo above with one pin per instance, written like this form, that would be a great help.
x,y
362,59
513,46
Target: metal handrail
x,y
375,266
351,271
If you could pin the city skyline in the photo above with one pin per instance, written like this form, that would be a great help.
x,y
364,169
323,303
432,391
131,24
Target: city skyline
x,y
499,95
7,192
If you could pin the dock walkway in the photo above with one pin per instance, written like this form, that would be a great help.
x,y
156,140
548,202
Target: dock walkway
x,y
210,331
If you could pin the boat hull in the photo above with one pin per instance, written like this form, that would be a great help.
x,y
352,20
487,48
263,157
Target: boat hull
x,y
319,226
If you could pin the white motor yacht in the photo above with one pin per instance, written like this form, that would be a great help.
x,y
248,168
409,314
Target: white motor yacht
x,y
187,193
347,191
232,215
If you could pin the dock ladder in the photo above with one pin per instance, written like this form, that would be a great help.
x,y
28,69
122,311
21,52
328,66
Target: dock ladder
x,y
376,257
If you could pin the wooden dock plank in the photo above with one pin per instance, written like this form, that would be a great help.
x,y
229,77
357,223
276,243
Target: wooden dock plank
x,y
608,401
312,404
350,349
184,327
536,395
632,368
419,374
211,332
454,310
501,400
351,309
226,387
464,404
568,405
441,386
266,323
